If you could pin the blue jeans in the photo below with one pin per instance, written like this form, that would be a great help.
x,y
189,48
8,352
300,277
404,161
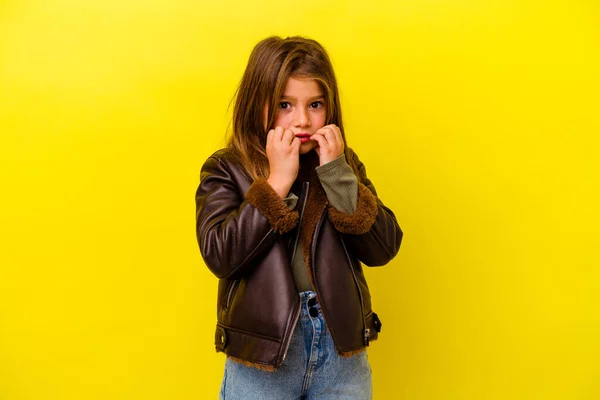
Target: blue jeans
x,y
312,368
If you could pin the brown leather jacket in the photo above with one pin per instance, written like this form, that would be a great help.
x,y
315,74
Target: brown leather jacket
x,y
247,236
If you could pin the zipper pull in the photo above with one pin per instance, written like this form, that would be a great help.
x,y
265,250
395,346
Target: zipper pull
x,y
366,336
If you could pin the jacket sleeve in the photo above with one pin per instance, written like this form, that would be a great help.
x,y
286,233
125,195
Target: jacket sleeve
x,y
371,232
234,228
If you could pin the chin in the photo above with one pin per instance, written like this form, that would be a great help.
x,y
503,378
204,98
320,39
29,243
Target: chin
x,y
307,147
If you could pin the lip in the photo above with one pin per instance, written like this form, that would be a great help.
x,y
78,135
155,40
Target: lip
x,y
304,137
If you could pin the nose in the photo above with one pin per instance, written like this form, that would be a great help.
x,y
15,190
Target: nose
x,y
301,118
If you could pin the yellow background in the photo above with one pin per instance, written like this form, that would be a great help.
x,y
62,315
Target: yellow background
x,y
478,122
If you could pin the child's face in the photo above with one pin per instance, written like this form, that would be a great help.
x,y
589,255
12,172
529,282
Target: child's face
x,y
301,109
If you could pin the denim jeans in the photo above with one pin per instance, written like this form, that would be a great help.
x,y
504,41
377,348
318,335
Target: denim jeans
x,y
312,368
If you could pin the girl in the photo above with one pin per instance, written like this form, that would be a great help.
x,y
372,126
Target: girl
x,y
285,215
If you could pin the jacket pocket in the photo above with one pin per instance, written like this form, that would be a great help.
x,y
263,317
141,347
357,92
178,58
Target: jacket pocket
x,y
231,293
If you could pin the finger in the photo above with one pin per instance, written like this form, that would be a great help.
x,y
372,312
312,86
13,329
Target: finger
x,y
330,135
296,142
334,136
320,139
323,131
270,135
288,136
334,139
317,135
337,131
278,133
330,126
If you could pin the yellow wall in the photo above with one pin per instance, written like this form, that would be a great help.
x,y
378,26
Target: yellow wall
x,y
478,122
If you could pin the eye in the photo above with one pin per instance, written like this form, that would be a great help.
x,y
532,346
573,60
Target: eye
x,y
284,105
316,104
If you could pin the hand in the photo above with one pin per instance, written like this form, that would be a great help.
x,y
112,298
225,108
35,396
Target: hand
x,y
331,144
283,152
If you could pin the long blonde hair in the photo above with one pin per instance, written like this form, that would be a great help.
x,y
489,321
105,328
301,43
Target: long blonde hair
x,y
272,61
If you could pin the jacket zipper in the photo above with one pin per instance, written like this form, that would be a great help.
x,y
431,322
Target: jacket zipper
x,y
313,251
303,196
366,331
291,333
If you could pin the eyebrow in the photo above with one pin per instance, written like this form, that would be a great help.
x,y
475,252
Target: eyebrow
x,y
310,99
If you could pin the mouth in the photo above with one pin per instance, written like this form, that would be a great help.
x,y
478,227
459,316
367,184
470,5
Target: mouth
x,y
304,137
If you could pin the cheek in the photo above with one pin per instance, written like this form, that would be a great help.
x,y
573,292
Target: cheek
x,y
319,120
283,120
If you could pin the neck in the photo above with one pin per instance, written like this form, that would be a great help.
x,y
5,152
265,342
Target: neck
x,y
308,163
